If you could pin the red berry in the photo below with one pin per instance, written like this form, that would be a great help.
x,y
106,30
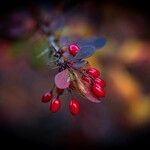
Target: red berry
x,y
85,78
73,49
46,97
99,81
98,91
59,91
55,105
74,106
93,72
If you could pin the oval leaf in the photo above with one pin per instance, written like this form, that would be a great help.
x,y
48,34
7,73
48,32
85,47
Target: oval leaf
x,y
93,41
79,64
85,52
99,42
62,80
67,55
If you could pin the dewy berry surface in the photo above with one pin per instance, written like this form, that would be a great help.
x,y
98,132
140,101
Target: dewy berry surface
x,y
73,49
100,82
74,106
98,91
46,97
93,72
55,105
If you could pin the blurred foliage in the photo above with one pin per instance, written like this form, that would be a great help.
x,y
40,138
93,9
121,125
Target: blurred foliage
x,y
124,63
36,50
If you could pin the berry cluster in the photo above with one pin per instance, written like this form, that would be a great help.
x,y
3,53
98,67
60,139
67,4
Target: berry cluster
x,y
84,79
92,76
55,103
97,84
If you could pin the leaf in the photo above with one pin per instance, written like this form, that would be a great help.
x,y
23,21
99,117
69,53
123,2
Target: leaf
x,y
96,42
85,52
62,80
99,42
93,41
84,88
79,64
67,55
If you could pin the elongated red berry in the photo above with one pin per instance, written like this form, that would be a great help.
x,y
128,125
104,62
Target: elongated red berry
x,y
93,72
99,81
73,49
46,97
59,91
85,78
98,91
55,105
74,106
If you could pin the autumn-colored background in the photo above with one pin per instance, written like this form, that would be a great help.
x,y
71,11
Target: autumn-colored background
x,y
121,119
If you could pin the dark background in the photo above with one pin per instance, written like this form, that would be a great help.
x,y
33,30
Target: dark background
x,y
27,123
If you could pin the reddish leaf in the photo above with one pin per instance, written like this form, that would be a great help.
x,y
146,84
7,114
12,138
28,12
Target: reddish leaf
x,y
62,80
